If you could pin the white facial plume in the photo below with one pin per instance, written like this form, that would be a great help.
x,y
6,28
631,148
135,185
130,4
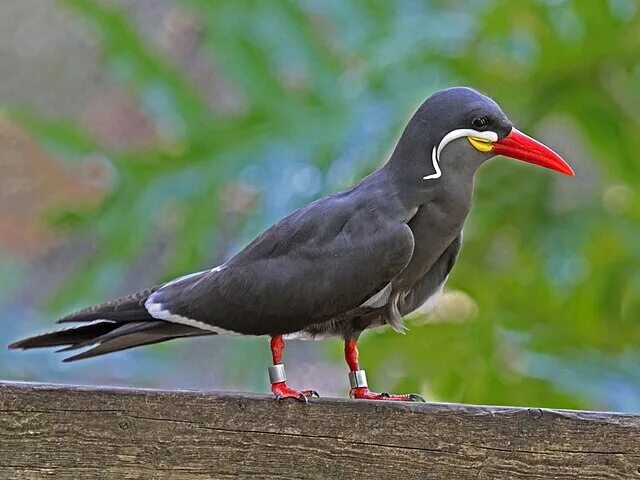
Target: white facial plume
x,y
449,137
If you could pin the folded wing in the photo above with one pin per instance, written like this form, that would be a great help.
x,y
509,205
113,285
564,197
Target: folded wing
x,y
319,262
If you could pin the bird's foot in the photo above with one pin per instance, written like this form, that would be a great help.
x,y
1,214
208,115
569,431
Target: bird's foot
x,y
365,393
282,391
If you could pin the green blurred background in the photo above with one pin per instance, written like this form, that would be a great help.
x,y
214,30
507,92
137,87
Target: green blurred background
x,y
144,140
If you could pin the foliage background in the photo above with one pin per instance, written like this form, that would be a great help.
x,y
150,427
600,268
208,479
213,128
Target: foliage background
x,y
217,118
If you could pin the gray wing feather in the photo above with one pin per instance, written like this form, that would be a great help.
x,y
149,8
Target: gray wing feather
x,y
319,262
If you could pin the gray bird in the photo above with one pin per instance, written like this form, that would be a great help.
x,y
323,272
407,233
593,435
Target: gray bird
x,y
358,259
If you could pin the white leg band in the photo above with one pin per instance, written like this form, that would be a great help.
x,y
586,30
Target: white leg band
x,y
277,373
358,378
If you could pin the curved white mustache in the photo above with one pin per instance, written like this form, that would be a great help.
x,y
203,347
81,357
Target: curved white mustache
x,y
449,137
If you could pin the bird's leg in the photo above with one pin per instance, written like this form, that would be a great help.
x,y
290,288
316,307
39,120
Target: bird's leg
x,y
278,377
358,379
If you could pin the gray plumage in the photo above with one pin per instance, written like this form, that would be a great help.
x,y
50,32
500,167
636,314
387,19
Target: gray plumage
x,y
353,260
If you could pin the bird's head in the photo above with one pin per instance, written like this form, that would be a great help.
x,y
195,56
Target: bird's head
x,y
459,128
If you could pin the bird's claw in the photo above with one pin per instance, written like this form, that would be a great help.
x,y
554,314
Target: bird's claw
x,y
365,393
282,392
301,398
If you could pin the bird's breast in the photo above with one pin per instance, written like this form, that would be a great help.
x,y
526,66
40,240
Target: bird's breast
x,y
435,226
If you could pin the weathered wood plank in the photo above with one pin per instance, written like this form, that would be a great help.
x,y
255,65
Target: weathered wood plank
x,y
49,431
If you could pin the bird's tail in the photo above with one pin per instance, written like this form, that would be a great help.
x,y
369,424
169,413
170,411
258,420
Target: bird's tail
x,y
116,325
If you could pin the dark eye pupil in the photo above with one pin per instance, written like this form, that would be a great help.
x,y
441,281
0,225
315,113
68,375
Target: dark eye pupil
x,y
479,122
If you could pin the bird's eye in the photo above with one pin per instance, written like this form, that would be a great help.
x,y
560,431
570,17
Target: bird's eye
x,y
480,122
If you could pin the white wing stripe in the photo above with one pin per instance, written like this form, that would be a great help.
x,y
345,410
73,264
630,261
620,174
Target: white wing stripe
x,y
156,310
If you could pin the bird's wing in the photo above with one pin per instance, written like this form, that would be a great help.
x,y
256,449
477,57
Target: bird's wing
x,y
318,262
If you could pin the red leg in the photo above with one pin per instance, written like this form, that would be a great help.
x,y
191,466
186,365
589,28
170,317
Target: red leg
x,y
359,388
278,378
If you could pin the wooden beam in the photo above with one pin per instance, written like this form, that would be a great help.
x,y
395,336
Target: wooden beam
x,y
50,431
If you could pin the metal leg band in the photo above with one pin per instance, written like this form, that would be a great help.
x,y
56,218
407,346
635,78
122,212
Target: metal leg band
x,y
358,378
277,373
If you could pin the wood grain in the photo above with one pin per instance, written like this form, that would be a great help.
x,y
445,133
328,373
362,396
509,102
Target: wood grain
x,y
49,431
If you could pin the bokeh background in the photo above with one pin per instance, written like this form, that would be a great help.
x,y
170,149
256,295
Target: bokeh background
x,y
142,140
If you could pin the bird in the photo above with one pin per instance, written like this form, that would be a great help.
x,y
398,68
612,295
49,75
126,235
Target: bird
x,y
354,260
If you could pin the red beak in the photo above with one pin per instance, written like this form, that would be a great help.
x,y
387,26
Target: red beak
x,y
522,147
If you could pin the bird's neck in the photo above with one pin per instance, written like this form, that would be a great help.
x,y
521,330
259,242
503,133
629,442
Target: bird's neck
x,y
407,168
